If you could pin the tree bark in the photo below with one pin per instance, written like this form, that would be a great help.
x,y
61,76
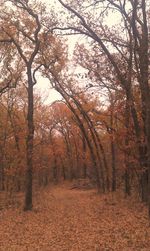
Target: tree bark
x,y
29,144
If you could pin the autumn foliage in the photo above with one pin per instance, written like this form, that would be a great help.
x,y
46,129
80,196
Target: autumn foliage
x,y
100,130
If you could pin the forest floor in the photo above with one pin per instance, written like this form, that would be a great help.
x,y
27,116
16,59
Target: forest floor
x,y
65,219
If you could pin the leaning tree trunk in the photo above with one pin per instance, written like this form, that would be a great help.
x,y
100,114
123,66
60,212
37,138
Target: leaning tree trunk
x,y
99,178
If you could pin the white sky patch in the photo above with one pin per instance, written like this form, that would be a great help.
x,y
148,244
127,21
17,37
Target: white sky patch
x,y
48,94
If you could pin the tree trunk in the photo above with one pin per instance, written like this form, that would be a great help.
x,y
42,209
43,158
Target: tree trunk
x,y
2,178
127,183
127,150
112,146
113,166
29,144
148,145
99,179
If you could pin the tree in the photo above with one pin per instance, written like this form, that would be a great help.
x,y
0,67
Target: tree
x,y
128,55
26,34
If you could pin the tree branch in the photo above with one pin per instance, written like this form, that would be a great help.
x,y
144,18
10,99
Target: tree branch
x,y
95,37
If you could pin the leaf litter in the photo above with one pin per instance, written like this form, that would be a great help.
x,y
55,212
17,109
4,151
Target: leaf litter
x,y
75,220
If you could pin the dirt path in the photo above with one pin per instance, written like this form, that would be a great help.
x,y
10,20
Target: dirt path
x,y
75,220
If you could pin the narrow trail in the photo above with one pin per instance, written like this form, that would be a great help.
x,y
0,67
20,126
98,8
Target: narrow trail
x,y
75,220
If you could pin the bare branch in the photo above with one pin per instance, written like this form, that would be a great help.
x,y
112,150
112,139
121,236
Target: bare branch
x,y
34,72
6,40
95,37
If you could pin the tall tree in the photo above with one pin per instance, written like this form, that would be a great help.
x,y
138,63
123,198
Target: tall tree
x,y
128,54
26,33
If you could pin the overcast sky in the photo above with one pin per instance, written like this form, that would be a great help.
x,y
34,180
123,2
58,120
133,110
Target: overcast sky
x,y
43,85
